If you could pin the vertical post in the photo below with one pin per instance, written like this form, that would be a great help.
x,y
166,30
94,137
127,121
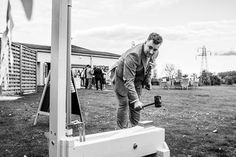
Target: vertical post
x,y
0,66
68,70
57,118
36,72
21,49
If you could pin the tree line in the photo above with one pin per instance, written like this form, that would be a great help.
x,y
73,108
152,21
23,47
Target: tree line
x,y
205,78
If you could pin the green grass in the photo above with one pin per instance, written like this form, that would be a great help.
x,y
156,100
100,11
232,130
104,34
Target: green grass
x,y
189,117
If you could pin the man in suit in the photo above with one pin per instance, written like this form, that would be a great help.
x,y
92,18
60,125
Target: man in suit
x,y
129,74
98,74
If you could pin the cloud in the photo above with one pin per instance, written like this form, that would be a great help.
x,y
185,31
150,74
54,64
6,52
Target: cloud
x,y
83,13
115,32
117,38
128,33
194,31
95,5
151,3
212,29
215,30
91,6
229,53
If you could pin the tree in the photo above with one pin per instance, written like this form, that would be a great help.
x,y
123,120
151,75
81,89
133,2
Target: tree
x,y
228,80
205,78
179,74
170,70
228,77
215,80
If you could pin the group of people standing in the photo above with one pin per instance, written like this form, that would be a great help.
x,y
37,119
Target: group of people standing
x,y
89,75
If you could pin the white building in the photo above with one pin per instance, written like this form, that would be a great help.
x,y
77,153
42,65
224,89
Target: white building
x,y
80,57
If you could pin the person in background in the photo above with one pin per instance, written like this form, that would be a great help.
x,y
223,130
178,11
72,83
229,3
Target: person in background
x,y
129,74
82,77
104,77
78,79
89,76
98,77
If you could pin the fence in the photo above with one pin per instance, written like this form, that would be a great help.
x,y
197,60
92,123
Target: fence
x,y
23,75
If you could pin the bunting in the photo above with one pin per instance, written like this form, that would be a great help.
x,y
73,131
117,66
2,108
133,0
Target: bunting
x,y
6,50
6,55
28,7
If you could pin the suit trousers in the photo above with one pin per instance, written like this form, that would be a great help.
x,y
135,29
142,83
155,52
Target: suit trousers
x,y
100,83
126,111
88,83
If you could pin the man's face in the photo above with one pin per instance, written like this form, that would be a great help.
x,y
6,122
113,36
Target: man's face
x,y
151,49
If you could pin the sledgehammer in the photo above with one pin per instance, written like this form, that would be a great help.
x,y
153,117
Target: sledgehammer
x,y
156,103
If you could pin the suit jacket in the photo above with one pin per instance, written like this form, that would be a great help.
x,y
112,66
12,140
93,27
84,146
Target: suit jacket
x,y
129,72
98,73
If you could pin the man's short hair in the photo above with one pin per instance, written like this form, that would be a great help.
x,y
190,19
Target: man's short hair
x,y
157,39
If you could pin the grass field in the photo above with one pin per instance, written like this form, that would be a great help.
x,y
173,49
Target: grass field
x,y
198,122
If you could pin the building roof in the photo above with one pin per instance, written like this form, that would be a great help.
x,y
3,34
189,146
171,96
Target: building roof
x,y
76,50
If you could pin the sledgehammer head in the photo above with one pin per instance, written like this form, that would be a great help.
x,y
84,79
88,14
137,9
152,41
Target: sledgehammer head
x,y
157,101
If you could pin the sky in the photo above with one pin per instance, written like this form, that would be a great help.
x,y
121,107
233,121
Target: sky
x,y
112,25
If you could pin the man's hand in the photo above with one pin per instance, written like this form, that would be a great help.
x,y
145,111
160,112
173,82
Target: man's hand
x,y
138,105
153,65
148,86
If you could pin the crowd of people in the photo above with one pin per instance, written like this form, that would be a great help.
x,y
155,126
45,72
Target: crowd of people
x,y
90,77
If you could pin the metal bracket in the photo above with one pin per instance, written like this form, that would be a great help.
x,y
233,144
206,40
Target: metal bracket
x,y
77,125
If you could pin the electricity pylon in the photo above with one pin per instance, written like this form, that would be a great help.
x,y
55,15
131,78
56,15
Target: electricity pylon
x,y
204,65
